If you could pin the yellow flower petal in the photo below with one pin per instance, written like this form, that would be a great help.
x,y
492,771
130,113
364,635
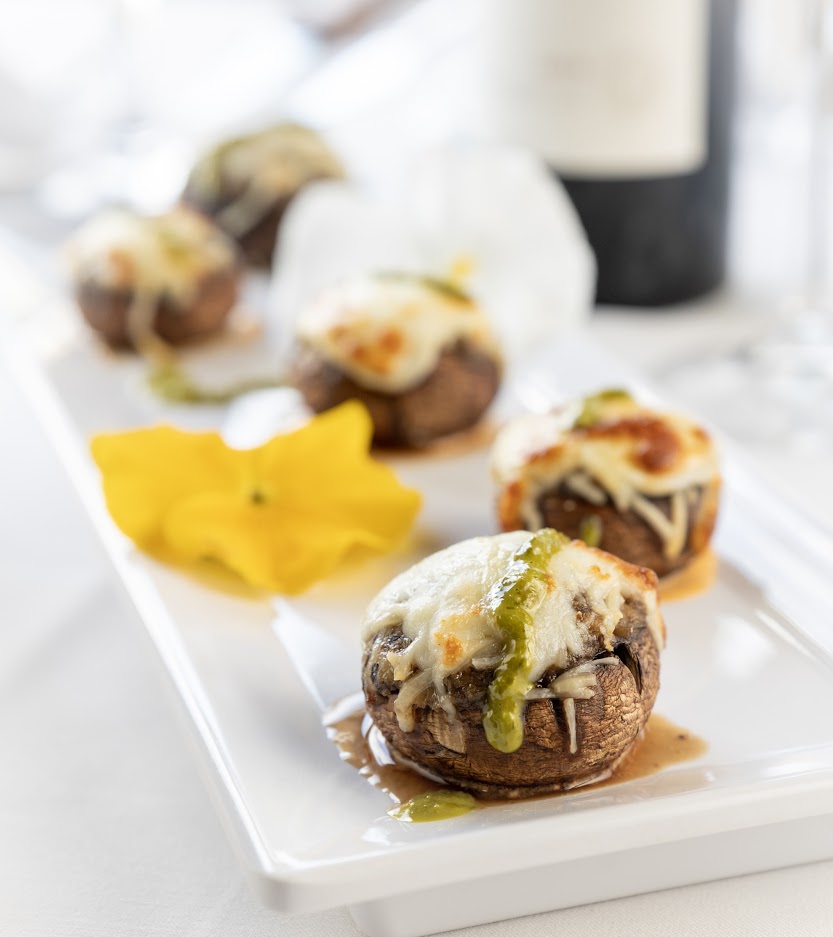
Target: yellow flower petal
x,y
281,516
268,547
146,471
330,477
343,434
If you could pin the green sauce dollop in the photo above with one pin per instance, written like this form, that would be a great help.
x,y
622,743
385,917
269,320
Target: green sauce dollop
x,y
592,407
590,530
514,599
435,805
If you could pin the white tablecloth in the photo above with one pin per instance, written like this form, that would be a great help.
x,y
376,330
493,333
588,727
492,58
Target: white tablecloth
x,y
105,828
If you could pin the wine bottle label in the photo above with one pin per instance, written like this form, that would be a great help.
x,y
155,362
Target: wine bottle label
x,y
601,88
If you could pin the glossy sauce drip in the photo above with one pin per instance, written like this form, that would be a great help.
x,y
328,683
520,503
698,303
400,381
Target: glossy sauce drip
x,y
362,745
663,744
693,579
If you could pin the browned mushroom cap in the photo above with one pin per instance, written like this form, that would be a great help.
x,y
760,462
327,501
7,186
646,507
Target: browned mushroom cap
x,y
456,750
247,183
623,533
107,310
257,241
514,665
452,398
175,274
418,351
639,484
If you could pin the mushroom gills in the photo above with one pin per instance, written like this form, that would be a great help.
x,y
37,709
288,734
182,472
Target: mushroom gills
x,y
578,683
626,656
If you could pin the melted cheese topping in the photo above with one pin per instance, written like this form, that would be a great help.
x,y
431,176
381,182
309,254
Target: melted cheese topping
x,y
443,605
388,331
628,454
263,168
168,254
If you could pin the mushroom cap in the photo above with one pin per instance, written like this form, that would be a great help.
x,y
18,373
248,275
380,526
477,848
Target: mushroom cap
x,y
450,400
646,483
430,639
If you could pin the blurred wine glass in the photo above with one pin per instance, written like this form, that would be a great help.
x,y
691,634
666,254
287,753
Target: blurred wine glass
x,y
122,93
776,388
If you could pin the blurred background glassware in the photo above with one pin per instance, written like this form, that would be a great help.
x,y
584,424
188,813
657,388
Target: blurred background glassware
x,y
775,388
53,103
107,101
191,71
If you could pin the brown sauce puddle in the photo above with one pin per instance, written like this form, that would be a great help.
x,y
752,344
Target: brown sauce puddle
x,y
361,745
693,579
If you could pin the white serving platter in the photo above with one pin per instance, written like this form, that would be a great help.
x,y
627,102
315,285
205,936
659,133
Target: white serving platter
x,y
749,667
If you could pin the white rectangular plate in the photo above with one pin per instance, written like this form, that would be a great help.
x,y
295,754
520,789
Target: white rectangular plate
x,y
748,667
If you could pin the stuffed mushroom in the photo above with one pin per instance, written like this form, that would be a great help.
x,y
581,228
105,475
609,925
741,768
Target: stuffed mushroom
x,y
640,484
175,276
246,184
514,665
417,351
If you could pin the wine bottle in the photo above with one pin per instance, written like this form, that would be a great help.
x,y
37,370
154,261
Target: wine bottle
x,y
629,101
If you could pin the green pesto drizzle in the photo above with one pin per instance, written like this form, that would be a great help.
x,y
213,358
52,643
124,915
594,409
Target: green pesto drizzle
x,y
514,599
437,284
592,407
169,382
590,530
435,805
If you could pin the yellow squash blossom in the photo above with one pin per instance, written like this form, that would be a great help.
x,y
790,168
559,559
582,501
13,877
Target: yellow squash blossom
x,y
281,516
